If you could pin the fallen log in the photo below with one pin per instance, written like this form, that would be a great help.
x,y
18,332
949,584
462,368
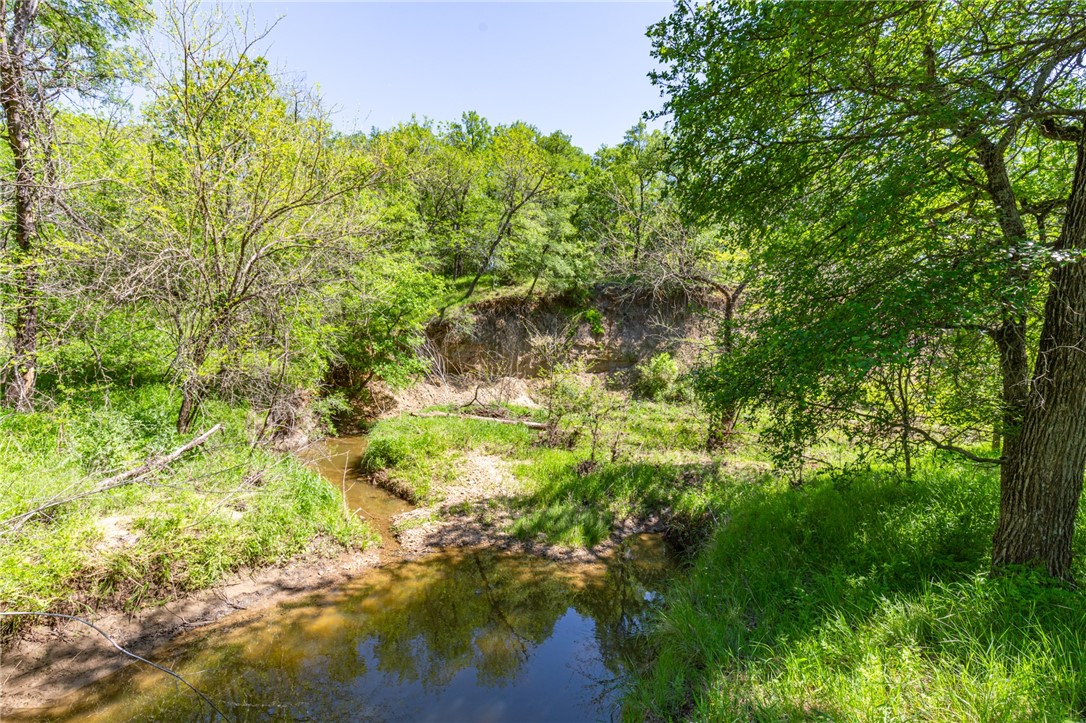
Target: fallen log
x,y
499,420
119,480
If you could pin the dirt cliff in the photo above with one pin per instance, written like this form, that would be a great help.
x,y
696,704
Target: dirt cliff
x,y
611,331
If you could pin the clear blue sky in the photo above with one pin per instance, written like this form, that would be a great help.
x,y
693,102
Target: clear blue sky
x,y
571,66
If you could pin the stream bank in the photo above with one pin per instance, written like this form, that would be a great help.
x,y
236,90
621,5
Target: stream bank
x,y
54,662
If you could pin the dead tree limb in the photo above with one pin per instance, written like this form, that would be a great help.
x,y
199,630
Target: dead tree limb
x,y
152,465
499,420
115,644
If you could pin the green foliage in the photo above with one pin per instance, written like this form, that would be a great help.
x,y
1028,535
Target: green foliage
x,y
659,465
595,321
838,143
422,456
218,509
657,378
381,321
856,596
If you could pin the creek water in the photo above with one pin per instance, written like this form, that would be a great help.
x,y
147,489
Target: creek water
x,y
472,634
339,461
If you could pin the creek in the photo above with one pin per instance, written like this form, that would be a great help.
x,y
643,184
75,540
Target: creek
x,y
468,634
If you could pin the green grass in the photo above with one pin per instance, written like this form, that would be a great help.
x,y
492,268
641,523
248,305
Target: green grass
x,y
659,466
420,454
864,597
220,508
836,596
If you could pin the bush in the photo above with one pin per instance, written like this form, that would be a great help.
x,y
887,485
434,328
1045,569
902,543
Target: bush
x,y
595,321
657,378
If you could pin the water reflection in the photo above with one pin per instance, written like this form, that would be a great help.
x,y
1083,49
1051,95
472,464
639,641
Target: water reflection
x,y
471,635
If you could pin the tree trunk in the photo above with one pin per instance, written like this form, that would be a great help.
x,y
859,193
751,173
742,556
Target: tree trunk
x,y
502,227
1042,475
16,102
722,422
24,359
190,405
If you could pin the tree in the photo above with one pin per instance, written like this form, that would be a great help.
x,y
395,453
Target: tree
x,y
896,169
520,172
251,198
48,51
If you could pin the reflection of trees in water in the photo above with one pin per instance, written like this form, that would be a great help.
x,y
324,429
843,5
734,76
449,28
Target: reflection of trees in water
x,y
617,603
417,624
481,611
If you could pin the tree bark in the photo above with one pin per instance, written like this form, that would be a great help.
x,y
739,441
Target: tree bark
x,y
1042,475
722,422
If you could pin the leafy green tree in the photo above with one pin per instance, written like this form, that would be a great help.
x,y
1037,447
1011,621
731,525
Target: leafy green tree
x,y
380,322
48,50
898,170
251,201
520,172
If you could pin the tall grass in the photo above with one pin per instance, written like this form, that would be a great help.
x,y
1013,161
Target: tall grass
x,y
224,506
865,597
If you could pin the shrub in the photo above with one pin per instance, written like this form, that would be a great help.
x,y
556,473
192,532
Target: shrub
x,y
595,321
657,378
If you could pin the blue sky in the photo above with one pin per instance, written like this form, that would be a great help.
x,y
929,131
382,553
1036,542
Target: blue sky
x,y
571,66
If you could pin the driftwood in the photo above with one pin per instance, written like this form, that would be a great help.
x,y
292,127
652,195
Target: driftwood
x,y
499,420
152,465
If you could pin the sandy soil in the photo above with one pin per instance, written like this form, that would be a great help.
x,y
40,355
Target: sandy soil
x,y
506,390
474,513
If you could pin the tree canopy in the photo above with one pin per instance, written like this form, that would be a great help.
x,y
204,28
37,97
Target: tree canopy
x,y
906,177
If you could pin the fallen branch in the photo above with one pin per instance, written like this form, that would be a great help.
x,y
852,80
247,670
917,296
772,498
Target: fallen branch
x,y
499,420
152,465
114,643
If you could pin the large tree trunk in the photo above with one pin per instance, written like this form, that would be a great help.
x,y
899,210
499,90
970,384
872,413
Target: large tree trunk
x,y
16,102
1042,474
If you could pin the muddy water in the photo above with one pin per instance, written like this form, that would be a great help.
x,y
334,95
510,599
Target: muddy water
x,y
338,462
472,635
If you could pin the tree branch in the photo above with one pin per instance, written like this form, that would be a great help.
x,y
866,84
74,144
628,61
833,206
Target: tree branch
x,y
125,651
152,465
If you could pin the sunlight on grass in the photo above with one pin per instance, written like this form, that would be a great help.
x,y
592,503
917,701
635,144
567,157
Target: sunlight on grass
x,y
223,507
860,597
